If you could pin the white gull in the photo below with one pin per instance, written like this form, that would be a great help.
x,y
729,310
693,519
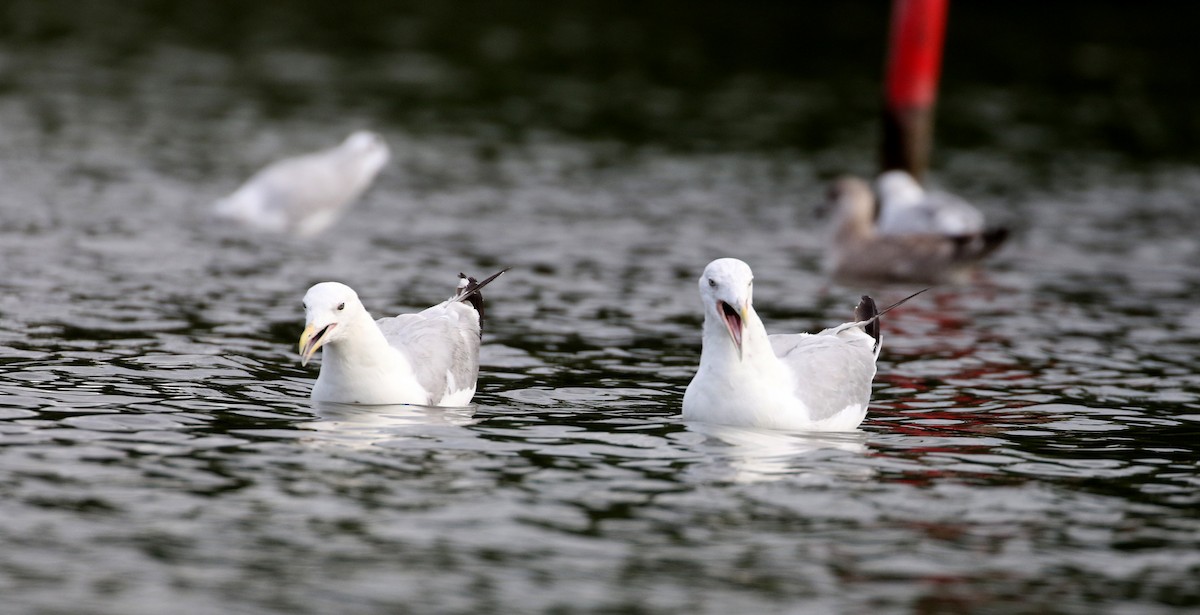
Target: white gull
x,y
306,194
907,208
818,382
430,358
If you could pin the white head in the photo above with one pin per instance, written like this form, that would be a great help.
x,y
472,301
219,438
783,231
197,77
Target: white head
x,y
726,290
369,149
898,187
328,308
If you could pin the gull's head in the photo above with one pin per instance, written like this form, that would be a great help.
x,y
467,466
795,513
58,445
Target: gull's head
x,y
328,307
898,187
853,205
369,148
726,289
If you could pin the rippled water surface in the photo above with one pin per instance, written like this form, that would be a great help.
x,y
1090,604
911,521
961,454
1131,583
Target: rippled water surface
x,y
1030,445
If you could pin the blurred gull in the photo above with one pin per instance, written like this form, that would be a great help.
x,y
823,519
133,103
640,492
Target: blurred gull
x,y
857,251
906,208
306,194
430,358
747,378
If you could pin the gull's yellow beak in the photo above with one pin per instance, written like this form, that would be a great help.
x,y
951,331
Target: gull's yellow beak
x,y
312,339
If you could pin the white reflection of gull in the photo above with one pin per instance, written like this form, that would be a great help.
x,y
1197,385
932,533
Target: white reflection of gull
x,y
306,194
906,208
362,426
748,454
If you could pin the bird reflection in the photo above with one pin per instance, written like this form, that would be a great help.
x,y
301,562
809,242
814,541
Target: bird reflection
x,y
747,454
362,426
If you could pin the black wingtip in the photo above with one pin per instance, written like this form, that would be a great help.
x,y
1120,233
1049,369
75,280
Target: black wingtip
x,y
975,246
867,314
867,311
470,291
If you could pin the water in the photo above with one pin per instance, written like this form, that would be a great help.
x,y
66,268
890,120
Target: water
x,y
1031,442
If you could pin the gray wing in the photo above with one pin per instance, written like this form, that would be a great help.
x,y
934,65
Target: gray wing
x,y
832,370
441,344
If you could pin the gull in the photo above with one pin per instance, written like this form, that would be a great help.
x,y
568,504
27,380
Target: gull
x,y
906,208
811,382
859,252
306,194
430,358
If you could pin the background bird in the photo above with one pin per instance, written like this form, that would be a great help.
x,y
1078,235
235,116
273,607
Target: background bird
x,y
306,194
907,208
858,252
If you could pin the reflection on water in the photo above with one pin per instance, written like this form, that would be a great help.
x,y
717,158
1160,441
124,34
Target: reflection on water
x,y
751,455
1031,442
361,426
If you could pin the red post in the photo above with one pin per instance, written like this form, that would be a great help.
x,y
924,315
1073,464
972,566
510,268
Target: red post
x,y
914,63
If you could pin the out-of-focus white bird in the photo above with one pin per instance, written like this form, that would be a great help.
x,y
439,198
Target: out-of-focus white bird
x,y
858,252
306,194
819,382
905,208
430,358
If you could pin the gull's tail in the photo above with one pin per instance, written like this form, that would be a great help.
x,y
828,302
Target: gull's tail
x,y
469,292
975,246
866,315
866,311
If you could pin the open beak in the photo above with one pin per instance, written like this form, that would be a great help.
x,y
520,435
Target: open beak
x,y
312,339
734,323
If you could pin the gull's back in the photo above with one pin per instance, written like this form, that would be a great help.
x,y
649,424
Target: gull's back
x,y
831,370
441,344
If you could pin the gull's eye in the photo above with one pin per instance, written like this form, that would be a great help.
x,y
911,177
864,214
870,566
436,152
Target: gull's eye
x,y
712,283
341,306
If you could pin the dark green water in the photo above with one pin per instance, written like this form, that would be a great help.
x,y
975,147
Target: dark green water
x,y
1031,444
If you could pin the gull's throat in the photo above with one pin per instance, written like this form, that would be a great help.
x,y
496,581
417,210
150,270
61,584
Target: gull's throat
x,y
733,323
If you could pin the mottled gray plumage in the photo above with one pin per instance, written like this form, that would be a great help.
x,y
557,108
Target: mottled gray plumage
x,y
857,252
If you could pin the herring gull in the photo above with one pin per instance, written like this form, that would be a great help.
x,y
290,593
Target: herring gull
x,y
747,378
430,358
306,194
859,252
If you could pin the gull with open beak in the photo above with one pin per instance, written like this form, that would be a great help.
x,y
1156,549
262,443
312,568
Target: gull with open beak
x,y
817,382
430,358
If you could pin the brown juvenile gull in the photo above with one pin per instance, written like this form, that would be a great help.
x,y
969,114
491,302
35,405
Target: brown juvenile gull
x,y
858,252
